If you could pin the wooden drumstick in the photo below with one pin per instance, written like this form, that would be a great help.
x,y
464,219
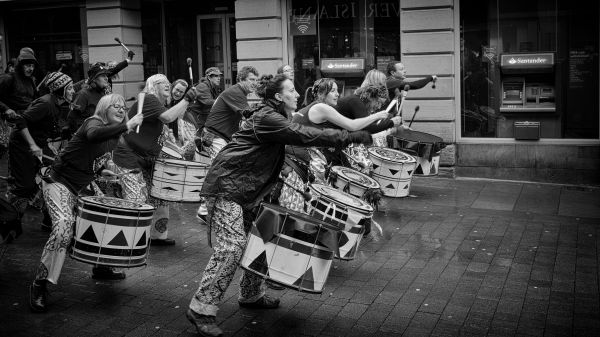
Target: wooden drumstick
x,y
414,115
140,106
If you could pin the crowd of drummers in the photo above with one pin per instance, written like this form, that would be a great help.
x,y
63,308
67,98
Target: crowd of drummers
x,y
65,141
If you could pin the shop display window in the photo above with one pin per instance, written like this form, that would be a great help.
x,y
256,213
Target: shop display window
x,y
356,36
532,62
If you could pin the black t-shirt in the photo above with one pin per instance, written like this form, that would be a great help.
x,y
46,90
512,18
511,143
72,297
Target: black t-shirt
x,y
145,143
226,113
86,153
352,107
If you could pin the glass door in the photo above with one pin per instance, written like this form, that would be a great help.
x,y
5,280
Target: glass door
x,y
216,45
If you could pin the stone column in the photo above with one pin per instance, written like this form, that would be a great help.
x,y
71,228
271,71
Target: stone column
x,y
123,19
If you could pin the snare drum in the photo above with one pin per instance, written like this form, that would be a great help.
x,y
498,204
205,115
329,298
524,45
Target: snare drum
x,y
425,147
112,232
290,248
393,170
344,211
351,181
178,180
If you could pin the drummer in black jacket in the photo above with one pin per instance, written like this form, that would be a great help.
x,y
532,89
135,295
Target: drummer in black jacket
x,y
242,174
83,157
397,79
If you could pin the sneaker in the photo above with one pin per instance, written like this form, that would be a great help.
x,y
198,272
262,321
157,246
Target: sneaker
x,y
162,242
265,302
38,294
202,213
205,325
106,273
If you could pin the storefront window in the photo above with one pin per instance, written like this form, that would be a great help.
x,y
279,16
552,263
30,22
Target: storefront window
x,y
152,39
54,34
532,63
356,36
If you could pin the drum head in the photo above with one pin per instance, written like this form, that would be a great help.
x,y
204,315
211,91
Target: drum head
x,y
180,162
391,155
115,203
341,197
171,152
355,177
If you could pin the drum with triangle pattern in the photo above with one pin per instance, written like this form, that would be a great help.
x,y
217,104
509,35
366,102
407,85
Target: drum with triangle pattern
x,y
290,248
111,231
393,170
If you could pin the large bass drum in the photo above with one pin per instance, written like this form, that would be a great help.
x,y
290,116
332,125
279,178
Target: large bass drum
x,y
110,231
346,212
290,248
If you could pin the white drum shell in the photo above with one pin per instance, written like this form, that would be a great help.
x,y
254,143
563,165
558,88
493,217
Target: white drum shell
x,y
178,180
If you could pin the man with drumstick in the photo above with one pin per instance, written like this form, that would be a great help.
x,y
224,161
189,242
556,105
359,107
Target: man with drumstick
x,y
138,150
225,116
397,79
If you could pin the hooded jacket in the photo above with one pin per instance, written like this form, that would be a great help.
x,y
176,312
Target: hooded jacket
x,y
17,91
247,168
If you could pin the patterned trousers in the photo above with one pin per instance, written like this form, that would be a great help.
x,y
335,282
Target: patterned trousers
x,y
135,188
231,233
61,206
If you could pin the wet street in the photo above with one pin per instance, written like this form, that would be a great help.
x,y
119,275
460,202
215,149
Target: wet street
x,y
455,258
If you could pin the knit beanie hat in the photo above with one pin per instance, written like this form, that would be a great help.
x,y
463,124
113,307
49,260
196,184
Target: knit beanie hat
x,y
57,80
26,55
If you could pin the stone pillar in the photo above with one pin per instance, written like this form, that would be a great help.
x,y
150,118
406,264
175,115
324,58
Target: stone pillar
x,y
427,47
259,33
123,19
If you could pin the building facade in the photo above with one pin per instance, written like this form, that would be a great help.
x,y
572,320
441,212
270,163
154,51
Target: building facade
x,y
518,91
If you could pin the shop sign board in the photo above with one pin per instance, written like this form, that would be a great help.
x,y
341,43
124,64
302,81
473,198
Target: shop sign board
x,y
64,55
345,65
524,61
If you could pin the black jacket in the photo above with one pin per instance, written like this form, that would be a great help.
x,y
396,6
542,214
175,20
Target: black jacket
x,y
16,91
207,94
247,168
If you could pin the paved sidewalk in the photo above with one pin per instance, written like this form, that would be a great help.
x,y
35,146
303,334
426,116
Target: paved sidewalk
x,y
457,257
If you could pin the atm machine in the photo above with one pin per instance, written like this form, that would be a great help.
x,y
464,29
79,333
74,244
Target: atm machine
x,y
528,97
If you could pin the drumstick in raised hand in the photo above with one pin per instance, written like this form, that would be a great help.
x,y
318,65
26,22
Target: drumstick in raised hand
x,y
121,43
414,115
139,108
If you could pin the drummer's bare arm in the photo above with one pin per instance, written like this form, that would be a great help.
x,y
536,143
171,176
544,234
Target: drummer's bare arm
x,y
278,129
322,112
175,112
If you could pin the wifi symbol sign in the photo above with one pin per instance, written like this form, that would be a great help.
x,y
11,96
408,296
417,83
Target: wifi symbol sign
x,y
302,28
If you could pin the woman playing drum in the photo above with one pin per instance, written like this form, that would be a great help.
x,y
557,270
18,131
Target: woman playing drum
x,y
83,157
320,114
242,174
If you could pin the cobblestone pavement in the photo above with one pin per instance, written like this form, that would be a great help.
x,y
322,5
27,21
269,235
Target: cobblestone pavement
x,y
456,257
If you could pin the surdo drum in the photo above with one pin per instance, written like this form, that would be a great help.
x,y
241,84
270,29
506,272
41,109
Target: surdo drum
x,y
351,181
178,180
112,232
344,211
424,146
290,248
393,170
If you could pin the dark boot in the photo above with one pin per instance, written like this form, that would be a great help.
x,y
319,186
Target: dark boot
x,y
38,294
106,273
